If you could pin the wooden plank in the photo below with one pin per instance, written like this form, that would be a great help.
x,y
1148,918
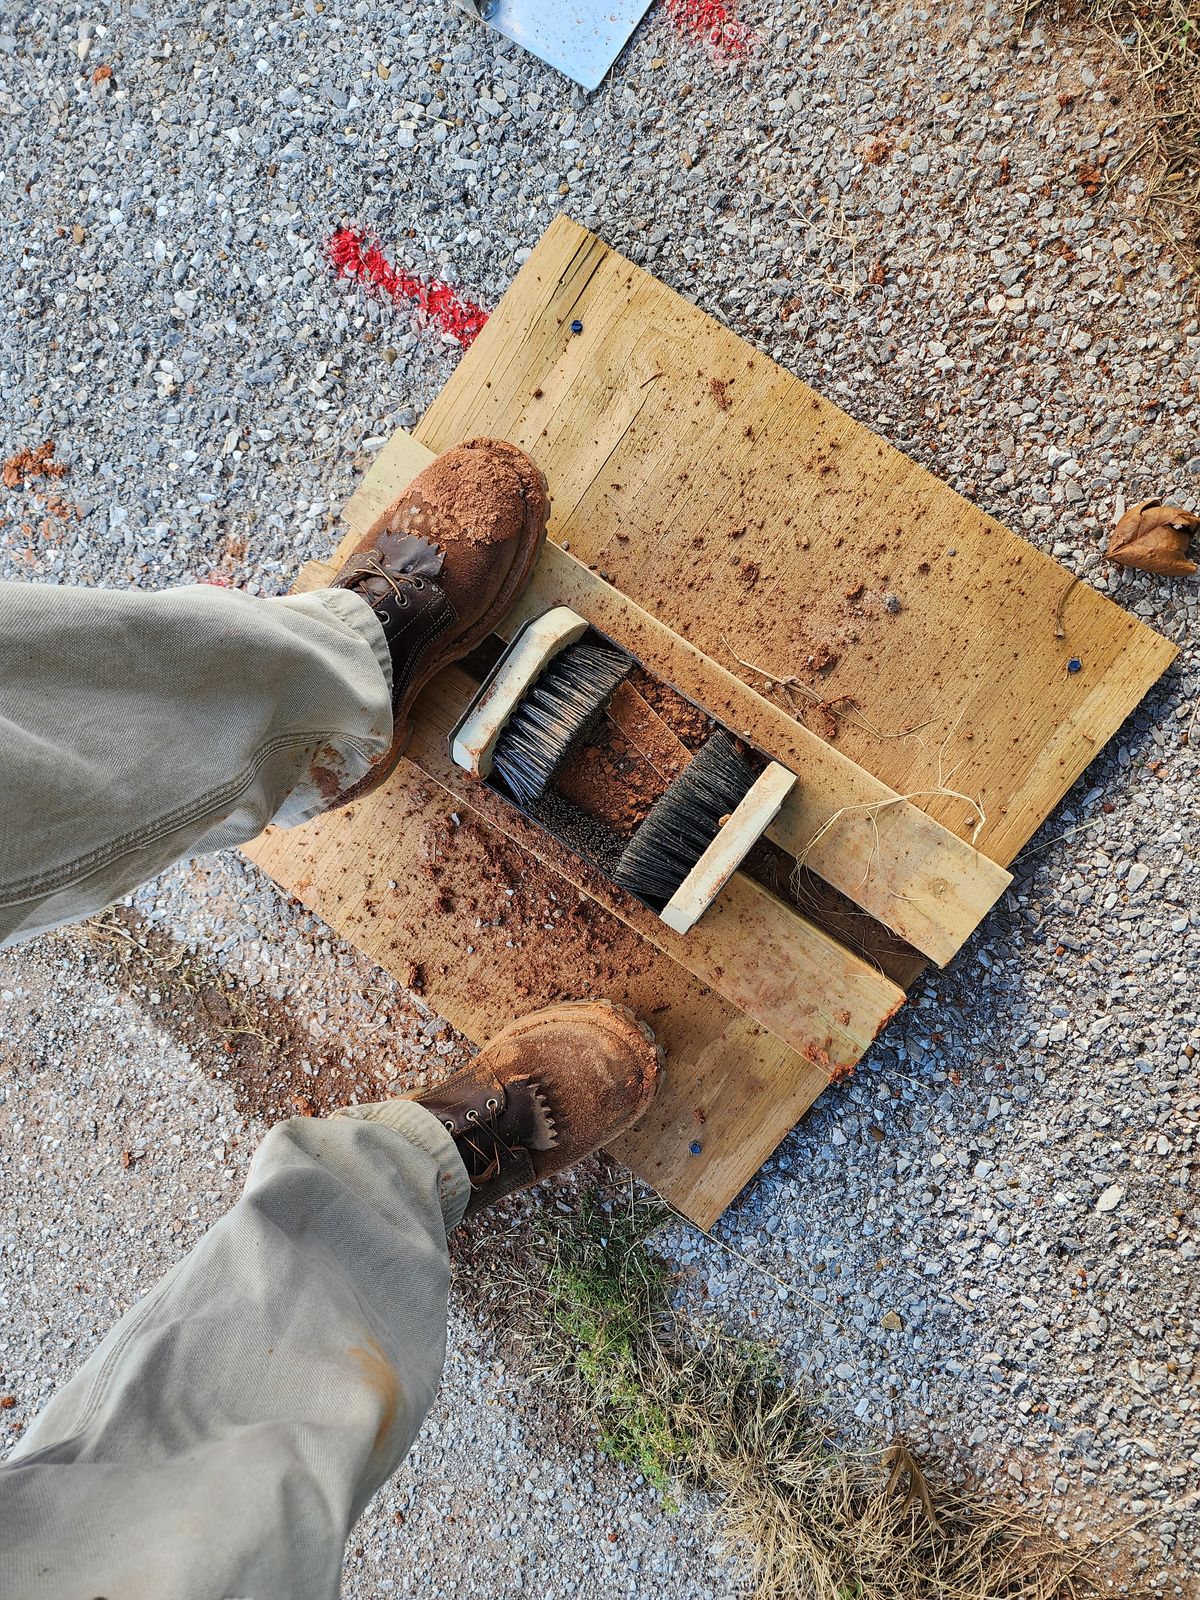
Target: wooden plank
x,y
763,957
457,912
926,884
729,502
739,507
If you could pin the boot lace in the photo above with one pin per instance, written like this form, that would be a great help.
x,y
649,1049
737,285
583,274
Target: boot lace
x,y
481,1145
371,567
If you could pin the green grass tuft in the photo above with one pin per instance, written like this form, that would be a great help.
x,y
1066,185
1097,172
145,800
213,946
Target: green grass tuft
x,y
694,1409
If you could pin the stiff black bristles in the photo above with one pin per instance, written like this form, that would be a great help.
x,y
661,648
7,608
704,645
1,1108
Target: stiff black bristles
x,y
683,822
561,708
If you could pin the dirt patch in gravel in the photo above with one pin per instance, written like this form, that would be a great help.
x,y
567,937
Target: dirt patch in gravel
x,y
25,464
233,1032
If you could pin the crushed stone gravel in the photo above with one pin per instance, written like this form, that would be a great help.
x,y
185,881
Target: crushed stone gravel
x,y
986,1239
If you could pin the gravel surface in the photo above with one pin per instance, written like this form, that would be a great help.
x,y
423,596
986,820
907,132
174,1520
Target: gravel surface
x,y
481,1506
988,1238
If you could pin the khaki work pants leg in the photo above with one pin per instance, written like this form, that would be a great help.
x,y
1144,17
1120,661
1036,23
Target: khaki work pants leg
x,y
226,1435
137,728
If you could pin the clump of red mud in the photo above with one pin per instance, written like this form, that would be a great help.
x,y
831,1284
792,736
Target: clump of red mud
x,y
354,255
24,464
477,492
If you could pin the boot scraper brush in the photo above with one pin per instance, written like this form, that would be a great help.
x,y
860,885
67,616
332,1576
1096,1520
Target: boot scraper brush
x,y
545,695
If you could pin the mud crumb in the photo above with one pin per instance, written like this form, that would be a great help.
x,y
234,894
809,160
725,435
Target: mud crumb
x,y
690,725
719,388
25,464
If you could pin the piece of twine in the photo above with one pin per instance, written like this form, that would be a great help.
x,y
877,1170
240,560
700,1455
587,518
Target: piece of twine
x,y
941,789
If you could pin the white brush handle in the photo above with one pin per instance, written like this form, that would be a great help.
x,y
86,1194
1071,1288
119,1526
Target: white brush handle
x,y
474,740
754,813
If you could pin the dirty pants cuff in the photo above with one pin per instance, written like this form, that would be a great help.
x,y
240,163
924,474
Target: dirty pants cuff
x,y
353,610
421,1128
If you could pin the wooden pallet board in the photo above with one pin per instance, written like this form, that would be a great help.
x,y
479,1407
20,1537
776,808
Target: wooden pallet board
x,y
926,884
724,509
738,506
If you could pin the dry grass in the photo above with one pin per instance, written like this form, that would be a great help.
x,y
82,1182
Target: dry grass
x,y
1160,40
175,973
591,1307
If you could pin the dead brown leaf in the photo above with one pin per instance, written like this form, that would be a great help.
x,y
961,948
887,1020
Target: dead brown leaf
x,y
907,1479
1154,538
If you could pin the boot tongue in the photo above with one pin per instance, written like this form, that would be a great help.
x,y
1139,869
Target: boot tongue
x,y
496,1145
526,1118
411,554
391,559
515,1110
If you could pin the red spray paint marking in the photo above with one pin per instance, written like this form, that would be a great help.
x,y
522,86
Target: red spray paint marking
x,y
354,255
711,21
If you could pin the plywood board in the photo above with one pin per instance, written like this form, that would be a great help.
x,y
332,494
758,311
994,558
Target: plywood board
x,y
924,882
743,510
743,516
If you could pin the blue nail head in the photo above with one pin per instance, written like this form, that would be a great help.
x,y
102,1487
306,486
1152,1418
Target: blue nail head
x,y
1074,665
577,326
695,1147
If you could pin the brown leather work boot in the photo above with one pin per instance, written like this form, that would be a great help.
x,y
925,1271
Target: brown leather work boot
x,y
545,1092
442,565
541,1095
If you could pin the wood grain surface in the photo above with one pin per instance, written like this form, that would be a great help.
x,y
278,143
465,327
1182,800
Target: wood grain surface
x,y
729,512
744,511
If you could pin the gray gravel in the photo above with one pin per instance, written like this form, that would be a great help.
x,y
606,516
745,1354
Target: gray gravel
x,y
481,1506
1012,1176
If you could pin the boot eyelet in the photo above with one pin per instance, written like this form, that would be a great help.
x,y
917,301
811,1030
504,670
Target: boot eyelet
x,y
472,1115
492,1103
447,1124
418,583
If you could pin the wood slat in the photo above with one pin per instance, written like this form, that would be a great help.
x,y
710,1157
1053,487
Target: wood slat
x,y
737,506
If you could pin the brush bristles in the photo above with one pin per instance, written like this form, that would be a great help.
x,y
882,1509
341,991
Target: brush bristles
x,y
683,822
561,708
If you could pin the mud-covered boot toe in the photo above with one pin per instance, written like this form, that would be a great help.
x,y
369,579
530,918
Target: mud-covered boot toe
x,y
444,563
546,1092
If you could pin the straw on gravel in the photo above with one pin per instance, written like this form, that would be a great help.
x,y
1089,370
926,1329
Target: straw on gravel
x,y
1161,42
697,1409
